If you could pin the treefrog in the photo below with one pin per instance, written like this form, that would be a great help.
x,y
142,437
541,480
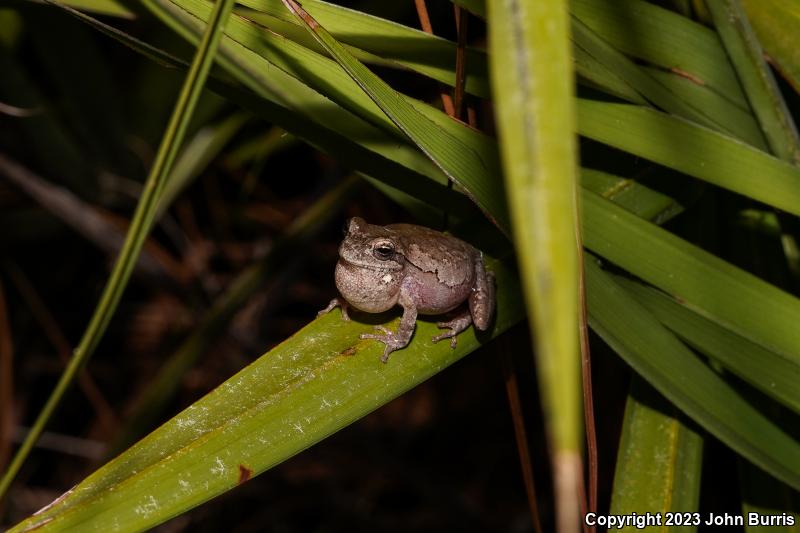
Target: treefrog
x,y
422,270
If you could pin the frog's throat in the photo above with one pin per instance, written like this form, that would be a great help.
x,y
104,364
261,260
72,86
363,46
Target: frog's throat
x,y
394,266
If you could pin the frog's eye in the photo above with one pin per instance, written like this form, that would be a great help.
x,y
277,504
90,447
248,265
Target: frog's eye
x,y
383,250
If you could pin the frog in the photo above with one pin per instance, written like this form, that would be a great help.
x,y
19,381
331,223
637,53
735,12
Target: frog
x,y
424,271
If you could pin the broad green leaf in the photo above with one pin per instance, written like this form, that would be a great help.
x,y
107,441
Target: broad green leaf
x,y
694,150
669,366
532,83
306,388
659,460
137,233
773,374
717,290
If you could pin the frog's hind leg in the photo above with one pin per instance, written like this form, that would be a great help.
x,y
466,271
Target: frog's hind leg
x,y
481,301
455,326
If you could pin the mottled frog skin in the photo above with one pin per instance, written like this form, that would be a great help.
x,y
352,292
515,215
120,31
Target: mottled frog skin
x,y
422,270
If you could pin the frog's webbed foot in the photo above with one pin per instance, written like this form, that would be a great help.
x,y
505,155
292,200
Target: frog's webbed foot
x,y
455,326
336,302
389,338
396,340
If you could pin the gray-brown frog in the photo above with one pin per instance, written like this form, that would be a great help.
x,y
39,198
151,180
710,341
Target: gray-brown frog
x,y
422,270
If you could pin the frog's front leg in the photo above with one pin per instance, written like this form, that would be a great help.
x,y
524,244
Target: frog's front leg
x,y
337,302
456,326
481,301
400,338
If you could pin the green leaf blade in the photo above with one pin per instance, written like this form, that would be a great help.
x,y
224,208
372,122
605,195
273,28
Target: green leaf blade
x,y
694,150
314,383
532,83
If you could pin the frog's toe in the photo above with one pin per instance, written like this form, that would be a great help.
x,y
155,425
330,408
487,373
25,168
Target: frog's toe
x,y
388,338
447,335
386,351
336,302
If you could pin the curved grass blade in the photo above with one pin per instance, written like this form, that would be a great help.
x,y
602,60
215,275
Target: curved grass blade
x,y
662,138
656,354
140,225
284,87
532,83
389,41
306,388
330,128
459,161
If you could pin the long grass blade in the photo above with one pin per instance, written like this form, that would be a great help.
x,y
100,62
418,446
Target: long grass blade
x,y
532,83
142,220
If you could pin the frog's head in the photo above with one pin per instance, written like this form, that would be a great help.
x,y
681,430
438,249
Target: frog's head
x,y
369,246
